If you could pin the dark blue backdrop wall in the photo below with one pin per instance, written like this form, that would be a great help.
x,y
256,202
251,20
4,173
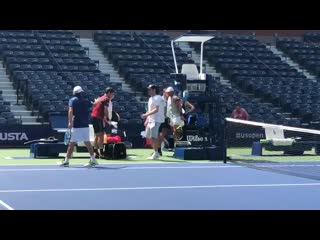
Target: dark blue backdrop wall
x,y
17,135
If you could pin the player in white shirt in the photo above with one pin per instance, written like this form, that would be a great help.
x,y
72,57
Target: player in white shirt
x,y
174,110
165,126
154,118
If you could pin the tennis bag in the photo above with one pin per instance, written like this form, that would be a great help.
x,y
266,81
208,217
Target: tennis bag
x,y
196,119
115,151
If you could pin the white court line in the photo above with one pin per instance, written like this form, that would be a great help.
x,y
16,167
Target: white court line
x,y
160,188
40,170
131,164
124,168
146,168
183,167
281,165
5,205
236,166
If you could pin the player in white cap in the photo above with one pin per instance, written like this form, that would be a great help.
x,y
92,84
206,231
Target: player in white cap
x,y
78,124
174,110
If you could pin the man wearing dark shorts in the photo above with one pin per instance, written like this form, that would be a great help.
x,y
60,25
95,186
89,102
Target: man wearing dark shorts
x,y
99,118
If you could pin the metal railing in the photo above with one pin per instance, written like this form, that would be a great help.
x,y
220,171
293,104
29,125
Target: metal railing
x,y
140,39
48,50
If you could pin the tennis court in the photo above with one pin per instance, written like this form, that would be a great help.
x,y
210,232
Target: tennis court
x,y
167,184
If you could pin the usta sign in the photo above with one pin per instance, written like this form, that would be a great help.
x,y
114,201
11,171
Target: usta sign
x,y
14,136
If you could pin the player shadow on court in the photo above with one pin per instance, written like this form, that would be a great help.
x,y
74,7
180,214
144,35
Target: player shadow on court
x,y
275,155
287,158
100,167
288,155
174,160
252,161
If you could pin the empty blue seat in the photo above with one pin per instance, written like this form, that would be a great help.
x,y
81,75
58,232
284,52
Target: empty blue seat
x,y
3,121
14,121
7,115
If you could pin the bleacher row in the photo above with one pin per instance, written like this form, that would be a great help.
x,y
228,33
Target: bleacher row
x,y
141,57
307,54
255,69
44,66
128,46
268,87
5,112
258,110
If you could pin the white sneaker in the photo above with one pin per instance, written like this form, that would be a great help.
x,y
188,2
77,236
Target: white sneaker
x,y
151,157
63,163
154,156
92,163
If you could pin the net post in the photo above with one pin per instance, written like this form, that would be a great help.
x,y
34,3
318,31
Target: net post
x,y
223,145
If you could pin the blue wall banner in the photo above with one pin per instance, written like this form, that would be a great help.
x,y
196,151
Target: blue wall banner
x,y
17,135
241,135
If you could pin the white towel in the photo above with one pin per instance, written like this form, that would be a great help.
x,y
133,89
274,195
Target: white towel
x,y
282,142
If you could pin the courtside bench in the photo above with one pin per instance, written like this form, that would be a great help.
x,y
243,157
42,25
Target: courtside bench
x,y
51,150
47,150
297,148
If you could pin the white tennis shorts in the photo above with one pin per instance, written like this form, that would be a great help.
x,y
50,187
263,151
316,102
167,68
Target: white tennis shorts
x,y
176,121
152,130
80,135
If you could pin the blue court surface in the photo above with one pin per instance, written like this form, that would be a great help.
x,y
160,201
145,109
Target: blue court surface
x,y
187,186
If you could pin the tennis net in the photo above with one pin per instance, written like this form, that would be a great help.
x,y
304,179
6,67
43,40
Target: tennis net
x,y
277,148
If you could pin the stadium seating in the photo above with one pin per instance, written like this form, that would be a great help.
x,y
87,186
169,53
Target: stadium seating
x,y
141,57
307,54
5,115
311,37
258,76
256,70
45,65
305,96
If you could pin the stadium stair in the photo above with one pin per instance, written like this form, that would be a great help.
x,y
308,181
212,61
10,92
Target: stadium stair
x,y
19,110
104,65
43,66
291,63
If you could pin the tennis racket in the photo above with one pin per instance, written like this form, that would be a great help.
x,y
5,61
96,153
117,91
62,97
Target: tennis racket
x,y
67,137
178,135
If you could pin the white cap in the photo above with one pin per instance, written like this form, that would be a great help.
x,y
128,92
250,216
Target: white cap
x,y
169,89
77,89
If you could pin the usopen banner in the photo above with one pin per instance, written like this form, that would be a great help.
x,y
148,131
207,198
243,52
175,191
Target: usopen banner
x,y
241,135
